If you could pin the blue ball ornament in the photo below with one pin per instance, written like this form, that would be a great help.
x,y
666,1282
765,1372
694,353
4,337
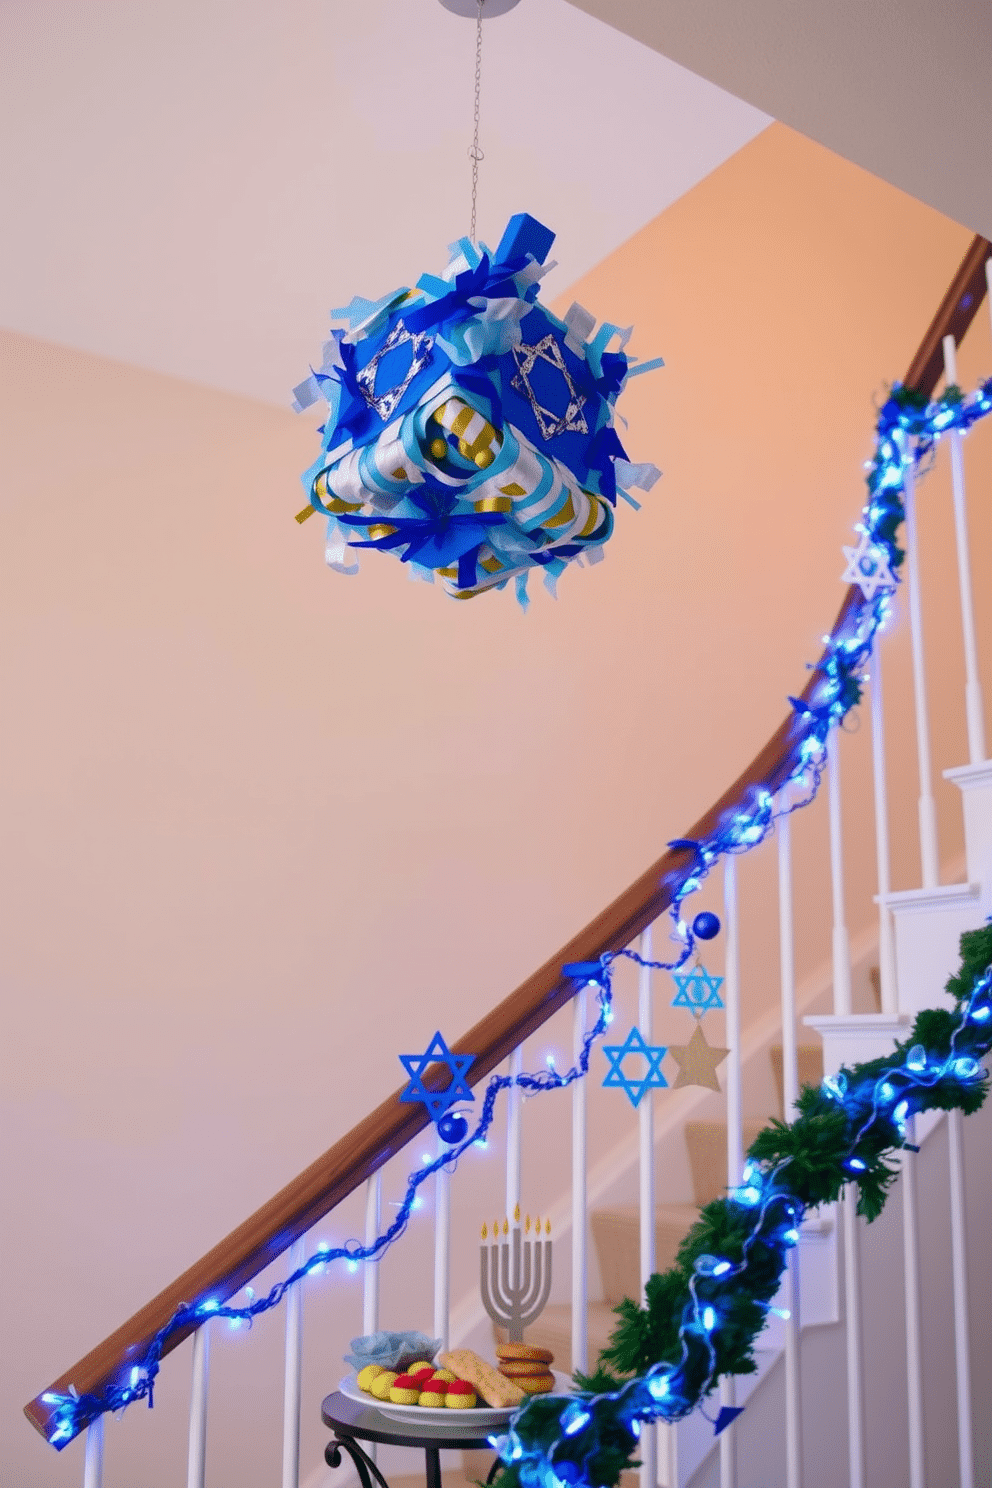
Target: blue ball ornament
x,y
452,1128
705,925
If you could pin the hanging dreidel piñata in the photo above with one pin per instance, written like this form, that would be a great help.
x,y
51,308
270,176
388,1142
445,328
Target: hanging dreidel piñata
x,y
469,430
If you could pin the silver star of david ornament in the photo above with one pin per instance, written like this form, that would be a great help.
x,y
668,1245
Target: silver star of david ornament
x,y
572,421
868,567
420,354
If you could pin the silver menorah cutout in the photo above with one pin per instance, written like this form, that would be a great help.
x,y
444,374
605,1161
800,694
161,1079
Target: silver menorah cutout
x,y
515,1275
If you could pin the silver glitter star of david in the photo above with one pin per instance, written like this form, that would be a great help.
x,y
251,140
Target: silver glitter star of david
x,y
572,421
868,567
420,355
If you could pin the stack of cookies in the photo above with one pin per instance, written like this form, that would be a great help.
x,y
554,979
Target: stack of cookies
x,y
527,1367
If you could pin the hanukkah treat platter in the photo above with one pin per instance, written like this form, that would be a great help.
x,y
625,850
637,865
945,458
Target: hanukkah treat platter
x,y
476,1416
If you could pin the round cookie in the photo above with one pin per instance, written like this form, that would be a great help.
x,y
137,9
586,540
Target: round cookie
x,y
521,1369
536,1384
523,1351
405,1390
382,1384
460,1396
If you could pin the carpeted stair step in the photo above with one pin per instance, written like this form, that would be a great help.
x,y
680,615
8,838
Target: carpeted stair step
x,y
553,1330
706,1142
810,1060
617,1235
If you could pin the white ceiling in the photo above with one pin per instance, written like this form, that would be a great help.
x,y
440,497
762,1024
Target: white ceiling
x,y
901,87
189,187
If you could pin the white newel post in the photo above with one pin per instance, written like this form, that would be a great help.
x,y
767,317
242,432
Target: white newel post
x,y
580,1331
294,1371
790,1094
93,1460
648,1448
928,815
735,1119
197,1461
974,703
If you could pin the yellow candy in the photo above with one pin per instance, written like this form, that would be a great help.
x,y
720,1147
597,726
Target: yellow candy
x,y
443,1374
368,1374
382,1383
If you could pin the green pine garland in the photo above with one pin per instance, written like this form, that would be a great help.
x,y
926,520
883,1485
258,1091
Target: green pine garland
x,y
844,1133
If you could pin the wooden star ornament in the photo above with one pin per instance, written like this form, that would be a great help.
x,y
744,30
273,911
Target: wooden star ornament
x,y
697,1061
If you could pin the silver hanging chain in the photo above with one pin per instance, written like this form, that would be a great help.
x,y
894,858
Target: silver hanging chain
x,y
474,152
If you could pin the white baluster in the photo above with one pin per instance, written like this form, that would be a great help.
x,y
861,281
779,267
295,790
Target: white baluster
x,y
841,945
370,1269
842,1008
959,1270
852,1318
974,704
790,1094
648,1446
294,1371
928,815
580,1334
732,999
911,1274
442,1251
513,1106
886,939
93,1461
735,1120
197,1462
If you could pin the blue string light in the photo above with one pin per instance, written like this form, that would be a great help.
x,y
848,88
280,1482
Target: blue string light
x,y
902,419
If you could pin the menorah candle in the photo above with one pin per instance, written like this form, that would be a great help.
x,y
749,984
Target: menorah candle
x,y
515,1274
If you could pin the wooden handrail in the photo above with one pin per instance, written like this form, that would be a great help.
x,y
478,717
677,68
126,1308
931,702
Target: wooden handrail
x,y
224,1270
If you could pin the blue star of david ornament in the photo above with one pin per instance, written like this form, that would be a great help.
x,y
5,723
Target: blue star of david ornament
x,y
697,990
437,1101
653,1079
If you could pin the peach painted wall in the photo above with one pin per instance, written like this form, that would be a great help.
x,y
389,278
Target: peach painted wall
x,y
265,827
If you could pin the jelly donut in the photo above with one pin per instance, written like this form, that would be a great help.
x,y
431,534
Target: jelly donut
x,y
405,1390
460,1395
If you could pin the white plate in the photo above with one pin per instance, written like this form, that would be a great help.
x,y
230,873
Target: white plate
x,y
441,1415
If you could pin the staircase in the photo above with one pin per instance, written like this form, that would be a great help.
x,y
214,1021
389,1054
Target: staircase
x,y
916,947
